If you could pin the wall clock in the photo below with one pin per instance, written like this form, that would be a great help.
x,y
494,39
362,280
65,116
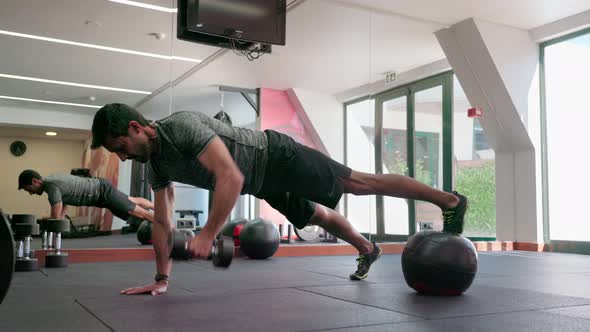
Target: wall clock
x,y
18,148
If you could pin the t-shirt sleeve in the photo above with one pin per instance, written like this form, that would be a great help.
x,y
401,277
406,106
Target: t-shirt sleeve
x,y
53,193
157,179
192,136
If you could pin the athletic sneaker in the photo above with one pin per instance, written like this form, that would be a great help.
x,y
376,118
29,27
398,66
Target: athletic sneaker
x,y
454,218
364,263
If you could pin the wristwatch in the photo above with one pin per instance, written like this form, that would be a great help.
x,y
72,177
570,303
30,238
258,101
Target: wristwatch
x,y
161,277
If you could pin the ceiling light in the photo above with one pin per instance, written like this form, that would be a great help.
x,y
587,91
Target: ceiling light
x,y
51,133
101,87
49,102
98,47
145,5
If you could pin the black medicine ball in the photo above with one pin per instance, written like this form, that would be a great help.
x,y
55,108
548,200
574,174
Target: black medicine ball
x,y
439,263
259,239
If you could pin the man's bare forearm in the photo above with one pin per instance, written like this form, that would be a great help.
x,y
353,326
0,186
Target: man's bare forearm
x,y
64,209
56,211
160,237
162,228
226,193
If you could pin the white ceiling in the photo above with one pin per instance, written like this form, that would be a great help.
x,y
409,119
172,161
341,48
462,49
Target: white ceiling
x,y
332,46
524,14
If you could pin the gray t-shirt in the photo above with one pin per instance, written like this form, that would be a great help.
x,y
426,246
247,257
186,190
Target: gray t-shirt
x,y
71,189
183,137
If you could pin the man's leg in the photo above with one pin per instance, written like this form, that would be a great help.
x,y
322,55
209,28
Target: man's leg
x,y
453,205
301,212
397,186
337,225
122,206
144,203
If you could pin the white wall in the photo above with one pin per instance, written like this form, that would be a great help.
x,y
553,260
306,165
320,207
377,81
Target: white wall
x,y
516,58
38,117
326,116
496,67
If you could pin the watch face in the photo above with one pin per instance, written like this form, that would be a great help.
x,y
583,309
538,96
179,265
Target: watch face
x,y
18,148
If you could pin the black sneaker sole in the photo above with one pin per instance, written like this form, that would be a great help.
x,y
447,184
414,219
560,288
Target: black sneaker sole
x,y
356,277
459,210
463,209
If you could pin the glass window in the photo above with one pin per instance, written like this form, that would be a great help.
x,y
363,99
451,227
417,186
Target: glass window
x,y
360,152
567,117
395,161
428,167
474,168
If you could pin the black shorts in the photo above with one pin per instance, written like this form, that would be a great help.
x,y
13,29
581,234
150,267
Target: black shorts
x,y
114,200
296,176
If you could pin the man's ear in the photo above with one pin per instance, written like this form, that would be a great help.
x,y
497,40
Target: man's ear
x,y
135,127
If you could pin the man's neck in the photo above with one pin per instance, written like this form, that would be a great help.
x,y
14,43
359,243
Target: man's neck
x,y
152,134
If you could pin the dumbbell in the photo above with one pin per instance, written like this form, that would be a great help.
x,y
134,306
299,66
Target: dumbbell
x,y
24,219
22,236
222,252
45,235
57,258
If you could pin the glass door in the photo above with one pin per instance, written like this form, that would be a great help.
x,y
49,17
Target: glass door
x,y
360,152
428,150
413,137
432,143
391,157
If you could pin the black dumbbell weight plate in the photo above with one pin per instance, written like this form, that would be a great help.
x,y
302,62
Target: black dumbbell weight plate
x,y
25,265
42,225
58,225
56,260
23,219
25,229
178,240
223,251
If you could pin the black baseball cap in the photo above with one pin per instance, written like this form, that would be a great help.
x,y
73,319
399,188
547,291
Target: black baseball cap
x,y
26,178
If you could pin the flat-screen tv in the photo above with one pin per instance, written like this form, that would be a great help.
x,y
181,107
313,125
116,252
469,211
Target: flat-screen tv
x,y
217,22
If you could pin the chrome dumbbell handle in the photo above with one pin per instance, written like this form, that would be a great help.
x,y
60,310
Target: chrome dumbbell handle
x,y
20,250
27,247
50,240
44,240
57,242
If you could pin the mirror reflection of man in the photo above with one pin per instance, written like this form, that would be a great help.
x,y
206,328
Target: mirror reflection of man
x,y
66,189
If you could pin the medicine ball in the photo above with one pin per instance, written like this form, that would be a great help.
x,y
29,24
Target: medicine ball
x,y
144,232
259,239
233,228
439,263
